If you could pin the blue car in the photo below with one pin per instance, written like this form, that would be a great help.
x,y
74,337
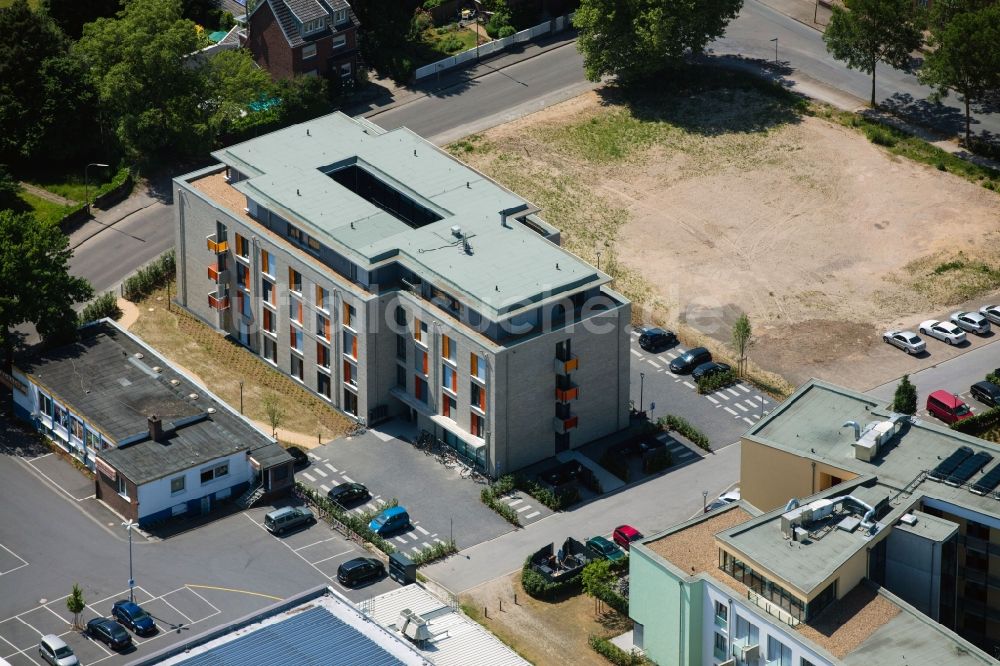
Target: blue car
x,y
391,520
134,617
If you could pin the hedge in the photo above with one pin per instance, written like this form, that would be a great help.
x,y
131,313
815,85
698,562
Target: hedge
x,y
657,462
557,501
717,381
980,423
490,496
438,551
615,654
685,429
105,305
351,521
536,585
616,464
150,277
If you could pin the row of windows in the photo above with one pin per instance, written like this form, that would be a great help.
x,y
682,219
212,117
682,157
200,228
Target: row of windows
x,y
209,474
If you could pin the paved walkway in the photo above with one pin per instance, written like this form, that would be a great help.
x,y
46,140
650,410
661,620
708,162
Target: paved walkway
x,y
609,482
48,196
808,12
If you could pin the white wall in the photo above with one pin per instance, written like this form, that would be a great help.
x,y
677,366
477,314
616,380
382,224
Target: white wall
x,y
155,496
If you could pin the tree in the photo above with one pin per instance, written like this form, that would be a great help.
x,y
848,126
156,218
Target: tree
x,y
964,56
72,15
742,340
37,286
9,189
868,32
275,413
232,80
75,604
633,39
384,37
905,399
596,577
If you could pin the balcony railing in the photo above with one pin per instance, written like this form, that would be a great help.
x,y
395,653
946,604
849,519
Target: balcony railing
x,y
566,424
567,394
218,303
217,247
215,275
567,366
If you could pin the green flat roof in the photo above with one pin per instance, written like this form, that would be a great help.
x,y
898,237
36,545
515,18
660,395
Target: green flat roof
x,y
508,265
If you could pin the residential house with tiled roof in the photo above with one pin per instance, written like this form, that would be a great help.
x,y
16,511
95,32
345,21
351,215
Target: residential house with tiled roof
x,y
308,37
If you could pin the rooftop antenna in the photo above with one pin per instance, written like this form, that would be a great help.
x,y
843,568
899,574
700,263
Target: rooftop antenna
x,y
298,192
307,132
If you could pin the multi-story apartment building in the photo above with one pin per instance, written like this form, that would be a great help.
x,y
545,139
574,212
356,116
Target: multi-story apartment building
x,y
392,280
309,37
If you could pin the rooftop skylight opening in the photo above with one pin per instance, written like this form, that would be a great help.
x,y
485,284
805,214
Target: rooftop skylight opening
x,y
378,193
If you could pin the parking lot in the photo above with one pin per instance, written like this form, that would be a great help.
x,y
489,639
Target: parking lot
x,y
723,415
440,502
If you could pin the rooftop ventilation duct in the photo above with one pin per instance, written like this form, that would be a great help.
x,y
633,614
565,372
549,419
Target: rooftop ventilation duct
x,y
413,626
857,429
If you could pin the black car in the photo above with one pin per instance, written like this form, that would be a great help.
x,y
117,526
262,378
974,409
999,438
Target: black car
x,y
709,369
110,632
657,338
987,393
299,456
650,446
134,617
359,570
346,493
690,360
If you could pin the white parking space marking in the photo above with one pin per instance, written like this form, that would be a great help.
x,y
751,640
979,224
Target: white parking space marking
x,y
730,411
308,477
743,388
315,543
636,333
740,407
689,385
315,457
672,374
514,502
400,540
327,559
732,392
663,360
23,564
722,395
653,363
370,506
711,400
422,530
532,515
672,355
425,544
750,421
348,479
325,488
637,354
331,468
751,403
320,472
526,507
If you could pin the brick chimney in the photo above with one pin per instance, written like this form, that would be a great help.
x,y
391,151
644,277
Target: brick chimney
x,y
155,428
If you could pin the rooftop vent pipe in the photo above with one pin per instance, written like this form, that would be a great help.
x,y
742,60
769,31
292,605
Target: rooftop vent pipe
x,y
155,428
857,429
792,504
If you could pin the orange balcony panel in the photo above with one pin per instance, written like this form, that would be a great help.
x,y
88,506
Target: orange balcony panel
x,y
215,247
218,303
570,423
213,272
563,425
565,395
566,367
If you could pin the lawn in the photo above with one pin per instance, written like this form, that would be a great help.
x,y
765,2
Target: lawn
x,y
44,210
222,365
439,43
7,3
73,187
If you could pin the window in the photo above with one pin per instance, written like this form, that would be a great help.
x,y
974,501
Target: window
x,y
477,366
322,326
345,70
296,367
242,275
447,348
721,613
420,389
420,361
477,425
401,377
338,42
308,51
294,280
448,405
267,291
350,401
975,560
478,399
313,244
401,348
211,473
778,653
350,314
400,316
176,485
265,263
805,662
322,298
350,374
244,303
77,429
563,350
323,384
977,530
44,404
449,378
269,320
322,355
295,309
744,629
339,16
350,344
720,646
420,332
242,247
271,350
93,440
294,233
120,486
295,338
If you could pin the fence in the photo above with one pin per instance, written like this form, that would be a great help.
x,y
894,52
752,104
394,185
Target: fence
x,y
497,45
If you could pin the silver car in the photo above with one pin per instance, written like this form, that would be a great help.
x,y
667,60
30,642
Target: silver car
x,y
991,312
908,341
945,331
971,321
55,651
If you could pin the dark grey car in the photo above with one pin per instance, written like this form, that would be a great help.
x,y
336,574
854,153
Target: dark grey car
x,y
690,360
987,393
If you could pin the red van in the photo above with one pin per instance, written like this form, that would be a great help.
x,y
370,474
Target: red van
x,y
947,406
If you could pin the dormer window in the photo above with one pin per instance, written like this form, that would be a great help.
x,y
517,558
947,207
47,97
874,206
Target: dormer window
x,y
339,16
312,26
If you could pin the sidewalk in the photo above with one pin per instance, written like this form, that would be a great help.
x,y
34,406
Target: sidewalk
x,y
142,197
812,13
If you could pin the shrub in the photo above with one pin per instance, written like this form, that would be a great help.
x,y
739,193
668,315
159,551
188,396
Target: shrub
x,y
432,4
881,136
657,462
149,278
715,382
980,423
984,147
685,429
422,20
491,498
993,378
351,521
499,20
506,31
105,305
557,501
615,654
537,586
452,44
616,464
438,551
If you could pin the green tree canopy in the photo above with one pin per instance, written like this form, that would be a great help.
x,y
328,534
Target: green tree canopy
x,y
964,56
868,32
385,27
9,189
633,39
231,82
905,399
71,15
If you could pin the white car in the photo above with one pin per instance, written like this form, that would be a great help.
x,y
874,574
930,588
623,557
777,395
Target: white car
x,y
725,499
944,331
991,312
971,321
908,341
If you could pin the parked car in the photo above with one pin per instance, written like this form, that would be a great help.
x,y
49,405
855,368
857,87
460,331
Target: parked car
x,y
725,499
110,632
360,569
347,493
605,548
652,445
908,341
624,535
991,312
134,617
391,520
299,456
709,369
54,651
280,521
987,393
690,360
944,331
947,406
973,322
652,339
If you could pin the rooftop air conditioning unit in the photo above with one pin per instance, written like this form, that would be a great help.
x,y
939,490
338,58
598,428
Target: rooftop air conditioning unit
x,y
413,626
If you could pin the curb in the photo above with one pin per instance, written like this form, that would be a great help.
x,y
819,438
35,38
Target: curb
x,y
107,225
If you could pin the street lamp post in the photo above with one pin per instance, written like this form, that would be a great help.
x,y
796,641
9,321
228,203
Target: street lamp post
x,y
129,525
86,182
241,395
598,260
642,383
704,501
775,40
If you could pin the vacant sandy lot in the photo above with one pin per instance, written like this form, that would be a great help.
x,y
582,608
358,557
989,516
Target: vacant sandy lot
x,y
708,208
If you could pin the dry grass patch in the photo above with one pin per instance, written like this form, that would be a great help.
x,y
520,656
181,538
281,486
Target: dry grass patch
x,y
543,632
221,364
